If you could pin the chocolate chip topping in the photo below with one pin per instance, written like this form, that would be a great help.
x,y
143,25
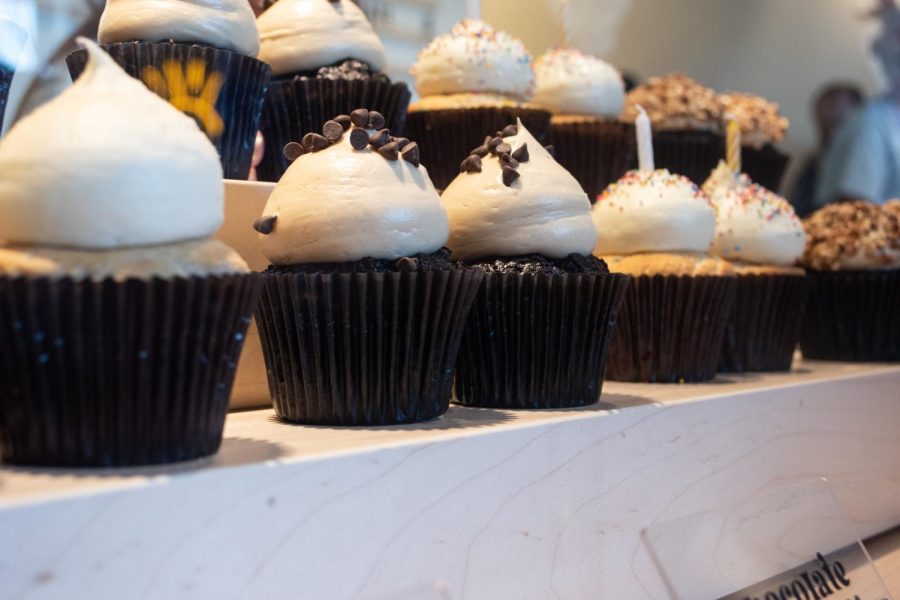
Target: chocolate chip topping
x,y
265,225
472,164
292,151
332,130
411,153
401,142
503,148
494,142
344,120
481,151
313,142
359,139
380,138
506,159
509,175
389,150
360,117
376,120
509,131
521,153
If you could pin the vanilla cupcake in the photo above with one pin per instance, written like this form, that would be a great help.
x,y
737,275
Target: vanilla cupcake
x,y
762,126
759,233
121,320
853,261
586,96
326,59
472,80
538,333
658,227
362,310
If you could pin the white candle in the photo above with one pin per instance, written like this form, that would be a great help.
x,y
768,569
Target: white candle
x,y
565,23
473,9
644,140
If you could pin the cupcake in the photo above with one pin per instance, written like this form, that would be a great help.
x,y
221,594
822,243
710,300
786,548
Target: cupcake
x,y
539,329
687,124
585,96
362,310
12,40
759,233
658,227
853,261
326,60
472,80
762,126
121,320
200,55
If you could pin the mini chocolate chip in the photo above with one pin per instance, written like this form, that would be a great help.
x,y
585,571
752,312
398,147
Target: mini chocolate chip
x,y
265,225
332,130
549,148
313,142
389,151
376,120
408,264
472,164
503,148
359,139
509,175
401,142
360,117
506,159
292,151
411,153
494,143
510,130
344,120
481,151
380,138
521,153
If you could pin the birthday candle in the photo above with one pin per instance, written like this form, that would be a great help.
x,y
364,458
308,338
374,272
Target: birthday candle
x,y
733,144
473,9
644,134
565,23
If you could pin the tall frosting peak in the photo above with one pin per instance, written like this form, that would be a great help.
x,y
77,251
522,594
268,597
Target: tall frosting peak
x,y
570,82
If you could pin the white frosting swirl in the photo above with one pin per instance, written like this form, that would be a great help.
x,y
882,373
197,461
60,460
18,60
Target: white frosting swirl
x,y
474,57
653,211
753,224
108,164
570,82
225,24
302,35
544,211
341,204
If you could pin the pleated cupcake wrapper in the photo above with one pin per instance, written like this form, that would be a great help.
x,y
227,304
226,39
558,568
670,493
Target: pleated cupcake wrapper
x,y
764,327
538,341
238,103
765,166
852,316
102,374
294,108
446,137
363,349
693,154
6,77
671,329
596,153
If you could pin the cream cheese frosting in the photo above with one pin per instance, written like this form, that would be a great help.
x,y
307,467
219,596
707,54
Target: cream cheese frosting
x,y
569,82
225,24
542,211
653,211
753,224
474,57
303,35
341,204
107,164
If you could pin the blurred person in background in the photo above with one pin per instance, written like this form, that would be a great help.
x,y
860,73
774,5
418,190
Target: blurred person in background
x,y
863,162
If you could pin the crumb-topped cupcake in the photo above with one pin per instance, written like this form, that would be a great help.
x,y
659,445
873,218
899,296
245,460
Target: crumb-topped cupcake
x,y
586,96
687,123
853,260
200,55
472,80
759,233
538,332
326,59
362,310
121,320
762,126
658,227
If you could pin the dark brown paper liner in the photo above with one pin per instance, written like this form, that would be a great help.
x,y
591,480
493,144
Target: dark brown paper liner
x,y
852,316
693,154
363,349
6,77
596,153
101,374
239,103
764,326
765,166
446,137
294,108
671,329
538,341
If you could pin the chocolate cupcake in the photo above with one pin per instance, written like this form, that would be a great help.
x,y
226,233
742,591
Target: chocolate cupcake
x,y
658,227
121,321
762,126
688,136
12,40
362,310
538,332
759,233
472,80
853,261
585,96
198,55
326,60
